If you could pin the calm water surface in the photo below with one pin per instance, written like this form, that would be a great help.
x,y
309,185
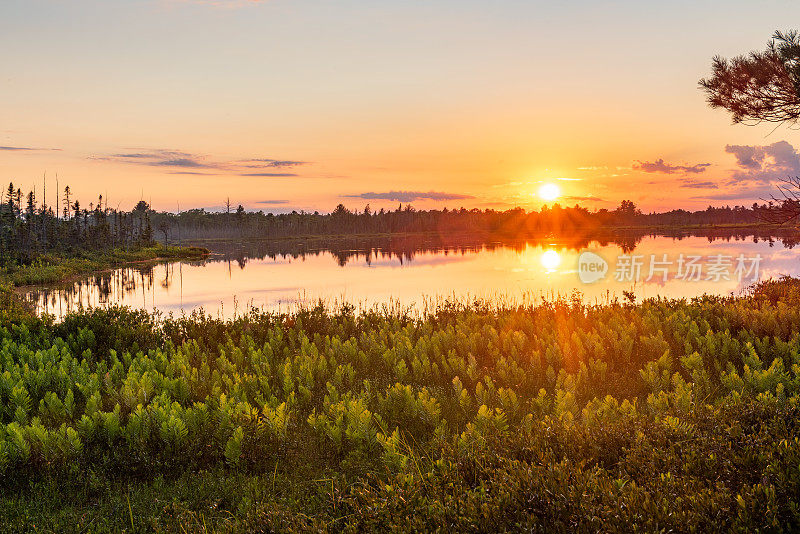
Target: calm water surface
x,y
413,272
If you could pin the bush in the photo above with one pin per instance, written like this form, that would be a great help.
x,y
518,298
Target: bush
x,y
677,415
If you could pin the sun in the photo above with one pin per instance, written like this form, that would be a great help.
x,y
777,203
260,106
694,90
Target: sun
x,y
549,192
550,260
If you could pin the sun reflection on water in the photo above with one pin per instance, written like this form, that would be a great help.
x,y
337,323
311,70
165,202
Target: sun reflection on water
x,y
550,260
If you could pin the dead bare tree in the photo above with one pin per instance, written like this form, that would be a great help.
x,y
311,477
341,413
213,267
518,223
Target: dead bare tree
x,y
783,208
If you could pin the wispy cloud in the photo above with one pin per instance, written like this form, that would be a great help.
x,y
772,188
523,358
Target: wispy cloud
x,y
693,184
269,174
272,202
158,158
126,156
745,193
24,148
593,168
661,166
168,158
261,163
583,199
177,162
410,196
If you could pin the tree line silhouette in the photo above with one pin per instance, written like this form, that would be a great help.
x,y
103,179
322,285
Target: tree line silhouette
x,y
30,228
239,223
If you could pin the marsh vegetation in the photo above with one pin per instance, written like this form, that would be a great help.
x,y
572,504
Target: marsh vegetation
x,y
670,414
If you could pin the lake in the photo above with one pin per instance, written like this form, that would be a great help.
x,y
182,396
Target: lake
x,y
423,270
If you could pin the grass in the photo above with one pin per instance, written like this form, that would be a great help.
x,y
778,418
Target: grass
x,y
53,268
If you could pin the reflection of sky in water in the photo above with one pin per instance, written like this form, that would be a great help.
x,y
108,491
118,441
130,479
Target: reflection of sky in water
x,y
528,272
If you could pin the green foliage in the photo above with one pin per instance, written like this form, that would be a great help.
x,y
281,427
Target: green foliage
x,y
233,447
41,244
673,415
50,268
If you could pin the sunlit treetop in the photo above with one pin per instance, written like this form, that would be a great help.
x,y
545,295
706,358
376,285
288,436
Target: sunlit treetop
x,y
760,86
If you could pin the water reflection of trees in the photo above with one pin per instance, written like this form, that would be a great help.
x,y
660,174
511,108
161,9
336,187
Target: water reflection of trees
x,y
404,248
119,285
135,285
401,248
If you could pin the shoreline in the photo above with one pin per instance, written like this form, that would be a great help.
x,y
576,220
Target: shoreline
x,y
52,270
503,235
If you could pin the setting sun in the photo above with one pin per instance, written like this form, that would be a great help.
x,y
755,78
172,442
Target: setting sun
x,y
549,192
550,260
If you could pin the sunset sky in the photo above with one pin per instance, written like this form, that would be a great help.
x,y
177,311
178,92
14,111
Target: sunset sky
x,y
285,105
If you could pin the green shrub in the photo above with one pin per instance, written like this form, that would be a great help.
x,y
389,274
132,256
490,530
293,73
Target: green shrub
x,y
674,415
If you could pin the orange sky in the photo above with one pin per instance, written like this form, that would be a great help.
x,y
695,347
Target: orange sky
x,y
287,105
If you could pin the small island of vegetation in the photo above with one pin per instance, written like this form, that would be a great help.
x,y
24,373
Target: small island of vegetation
x,y
40,246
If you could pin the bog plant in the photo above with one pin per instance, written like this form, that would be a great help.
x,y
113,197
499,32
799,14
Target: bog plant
x,y
668,414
